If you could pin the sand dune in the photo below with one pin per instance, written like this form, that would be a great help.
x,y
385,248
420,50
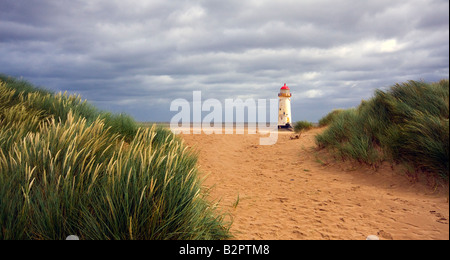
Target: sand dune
x,y
292,191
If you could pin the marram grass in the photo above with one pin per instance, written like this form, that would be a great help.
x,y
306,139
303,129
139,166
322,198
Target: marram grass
x,y
72,175
409,123
301,126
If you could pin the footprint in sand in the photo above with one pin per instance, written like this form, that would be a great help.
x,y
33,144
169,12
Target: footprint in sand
x,y
441,219
385,235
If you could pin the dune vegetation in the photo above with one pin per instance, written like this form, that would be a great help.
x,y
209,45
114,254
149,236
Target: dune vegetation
x,y
407,124
301,126
67,168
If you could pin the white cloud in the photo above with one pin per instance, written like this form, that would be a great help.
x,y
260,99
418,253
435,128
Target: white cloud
x,y
190,15
313,93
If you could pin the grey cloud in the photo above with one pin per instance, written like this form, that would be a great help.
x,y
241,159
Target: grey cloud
x,y
132,56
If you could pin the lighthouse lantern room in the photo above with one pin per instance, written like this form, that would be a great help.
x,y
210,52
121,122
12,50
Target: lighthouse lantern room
x,y
284,107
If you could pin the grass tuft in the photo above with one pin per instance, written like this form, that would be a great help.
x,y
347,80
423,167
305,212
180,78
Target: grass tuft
x,y
67,168
407,124
301,126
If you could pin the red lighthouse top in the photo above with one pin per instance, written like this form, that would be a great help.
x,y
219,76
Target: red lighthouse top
x,y
285,91
285,87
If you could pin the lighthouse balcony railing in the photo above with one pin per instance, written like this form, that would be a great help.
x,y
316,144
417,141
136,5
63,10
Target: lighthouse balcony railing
x,y
284,94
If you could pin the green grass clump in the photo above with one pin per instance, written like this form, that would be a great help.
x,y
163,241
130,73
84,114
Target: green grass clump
x,y
409,123
301,126
58,105
326,120
63,173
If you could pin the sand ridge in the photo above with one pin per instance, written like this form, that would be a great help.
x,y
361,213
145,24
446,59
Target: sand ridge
x,y
291,191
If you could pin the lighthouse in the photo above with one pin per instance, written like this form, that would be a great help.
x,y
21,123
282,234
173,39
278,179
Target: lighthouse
x,y
284,107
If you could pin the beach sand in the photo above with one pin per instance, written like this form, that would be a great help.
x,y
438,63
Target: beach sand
x,y
292,191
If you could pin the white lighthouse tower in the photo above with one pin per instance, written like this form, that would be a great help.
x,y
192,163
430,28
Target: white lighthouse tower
x,y
284,108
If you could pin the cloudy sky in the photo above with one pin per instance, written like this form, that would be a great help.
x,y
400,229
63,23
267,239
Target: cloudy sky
x,y
136,56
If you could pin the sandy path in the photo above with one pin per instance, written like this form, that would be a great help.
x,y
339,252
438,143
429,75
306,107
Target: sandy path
x,y
292,191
